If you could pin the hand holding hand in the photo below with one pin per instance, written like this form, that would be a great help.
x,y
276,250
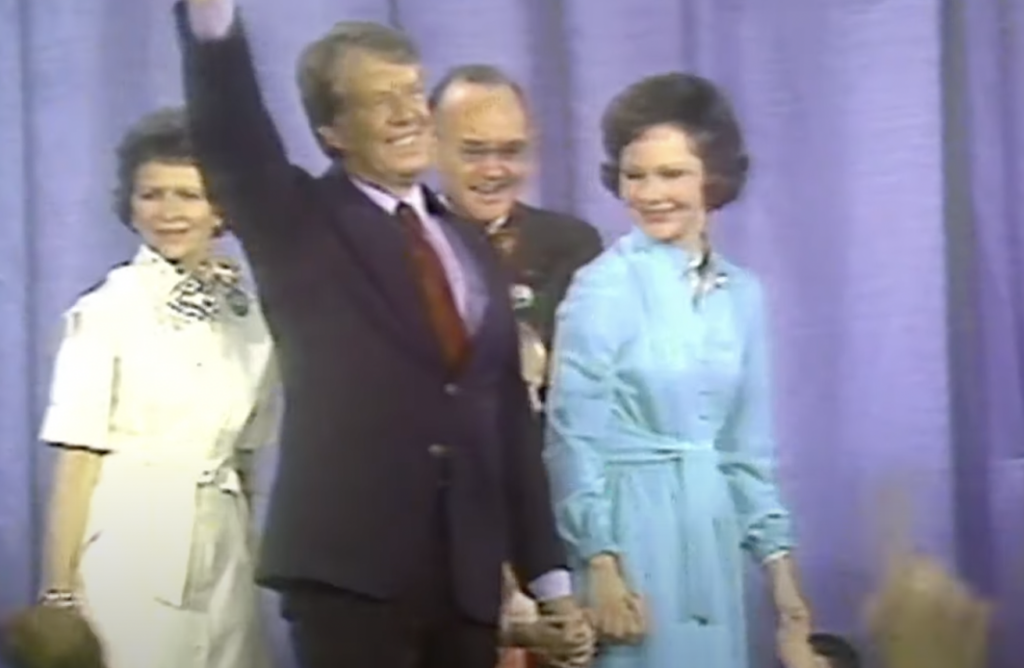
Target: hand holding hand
x,y
548,639
563,635
618,613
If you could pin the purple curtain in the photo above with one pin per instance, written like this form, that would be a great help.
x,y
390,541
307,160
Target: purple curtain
x,y
886,139
985,138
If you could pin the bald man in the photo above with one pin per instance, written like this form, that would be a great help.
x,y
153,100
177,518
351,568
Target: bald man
x,y
484,157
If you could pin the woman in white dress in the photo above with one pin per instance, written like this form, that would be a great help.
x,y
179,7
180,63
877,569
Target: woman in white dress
x,y
160,395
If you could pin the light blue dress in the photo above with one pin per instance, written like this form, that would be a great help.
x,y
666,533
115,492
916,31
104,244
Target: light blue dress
x,y
659,445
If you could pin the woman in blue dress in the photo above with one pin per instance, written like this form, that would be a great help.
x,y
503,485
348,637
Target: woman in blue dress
x,y
659,439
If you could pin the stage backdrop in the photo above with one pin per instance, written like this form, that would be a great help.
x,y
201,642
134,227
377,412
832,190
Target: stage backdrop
x,y
887,142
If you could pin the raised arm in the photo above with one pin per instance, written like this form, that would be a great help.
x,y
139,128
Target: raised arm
x,y
240,151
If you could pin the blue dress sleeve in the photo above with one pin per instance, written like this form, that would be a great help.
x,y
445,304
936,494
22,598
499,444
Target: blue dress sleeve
x,y
747,441
579,406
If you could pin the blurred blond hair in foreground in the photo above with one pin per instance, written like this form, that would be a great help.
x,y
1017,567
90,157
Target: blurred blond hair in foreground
x,y
50,637
921,615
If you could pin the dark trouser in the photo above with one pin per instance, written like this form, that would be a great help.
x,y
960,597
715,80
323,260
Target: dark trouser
x,y
332,628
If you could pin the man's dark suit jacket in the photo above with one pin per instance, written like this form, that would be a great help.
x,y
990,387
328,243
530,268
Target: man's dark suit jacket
x,y
371,412
551,247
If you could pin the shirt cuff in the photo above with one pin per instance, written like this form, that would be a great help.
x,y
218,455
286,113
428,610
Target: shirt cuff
x,y
774,556
552,585
520,609
211,20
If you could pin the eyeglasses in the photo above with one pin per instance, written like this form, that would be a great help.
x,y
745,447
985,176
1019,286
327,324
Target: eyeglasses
x,y
511,153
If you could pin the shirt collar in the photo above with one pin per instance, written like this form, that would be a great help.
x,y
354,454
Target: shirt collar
x,y
495,226
147,256
707,269
416,198
157,265
490,228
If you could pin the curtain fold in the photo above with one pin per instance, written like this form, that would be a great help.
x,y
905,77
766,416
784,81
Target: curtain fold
x,y
17,266
986,106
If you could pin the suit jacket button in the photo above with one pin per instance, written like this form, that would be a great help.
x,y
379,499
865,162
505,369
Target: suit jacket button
x,y
451,389
438,451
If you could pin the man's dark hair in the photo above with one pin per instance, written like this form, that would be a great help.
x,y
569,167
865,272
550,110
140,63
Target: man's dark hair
x,y
692,104
839,651
320,62
161,136
475,73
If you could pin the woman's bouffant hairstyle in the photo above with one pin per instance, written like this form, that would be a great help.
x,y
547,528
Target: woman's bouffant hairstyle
x,y
161,136
692,104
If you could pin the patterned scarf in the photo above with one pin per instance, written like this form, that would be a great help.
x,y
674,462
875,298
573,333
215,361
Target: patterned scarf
x,y
202,294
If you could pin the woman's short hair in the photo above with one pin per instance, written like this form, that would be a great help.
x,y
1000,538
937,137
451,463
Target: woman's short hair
x,y
694,105
161,136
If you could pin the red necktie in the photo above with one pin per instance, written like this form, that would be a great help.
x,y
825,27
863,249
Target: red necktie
x,y
444,316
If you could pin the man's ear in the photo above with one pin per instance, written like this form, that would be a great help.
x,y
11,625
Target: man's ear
x,y
220,227
332,136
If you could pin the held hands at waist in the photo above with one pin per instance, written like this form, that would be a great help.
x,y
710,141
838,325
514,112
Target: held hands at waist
x,y
555,630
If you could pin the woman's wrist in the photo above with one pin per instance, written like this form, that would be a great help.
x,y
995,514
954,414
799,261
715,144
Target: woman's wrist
x,y
782,576
59,579
604,562
59,598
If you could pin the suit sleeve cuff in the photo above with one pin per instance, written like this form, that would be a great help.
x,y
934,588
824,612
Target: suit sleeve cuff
x,y
552,585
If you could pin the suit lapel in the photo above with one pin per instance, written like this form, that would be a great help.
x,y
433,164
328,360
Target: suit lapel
x,y
378,246
479,250
526,255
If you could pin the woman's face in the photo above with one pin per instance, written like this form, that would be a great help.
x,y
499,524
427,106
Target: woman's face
x,y
661,179
170,211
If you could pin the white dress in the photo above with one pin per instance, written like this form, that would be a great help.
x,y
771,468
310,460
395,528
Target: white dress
x,y
178,405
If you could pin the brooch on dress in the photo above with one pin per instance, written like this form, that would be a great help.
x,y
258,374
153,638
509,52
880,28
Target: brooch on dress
x,y
704,277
